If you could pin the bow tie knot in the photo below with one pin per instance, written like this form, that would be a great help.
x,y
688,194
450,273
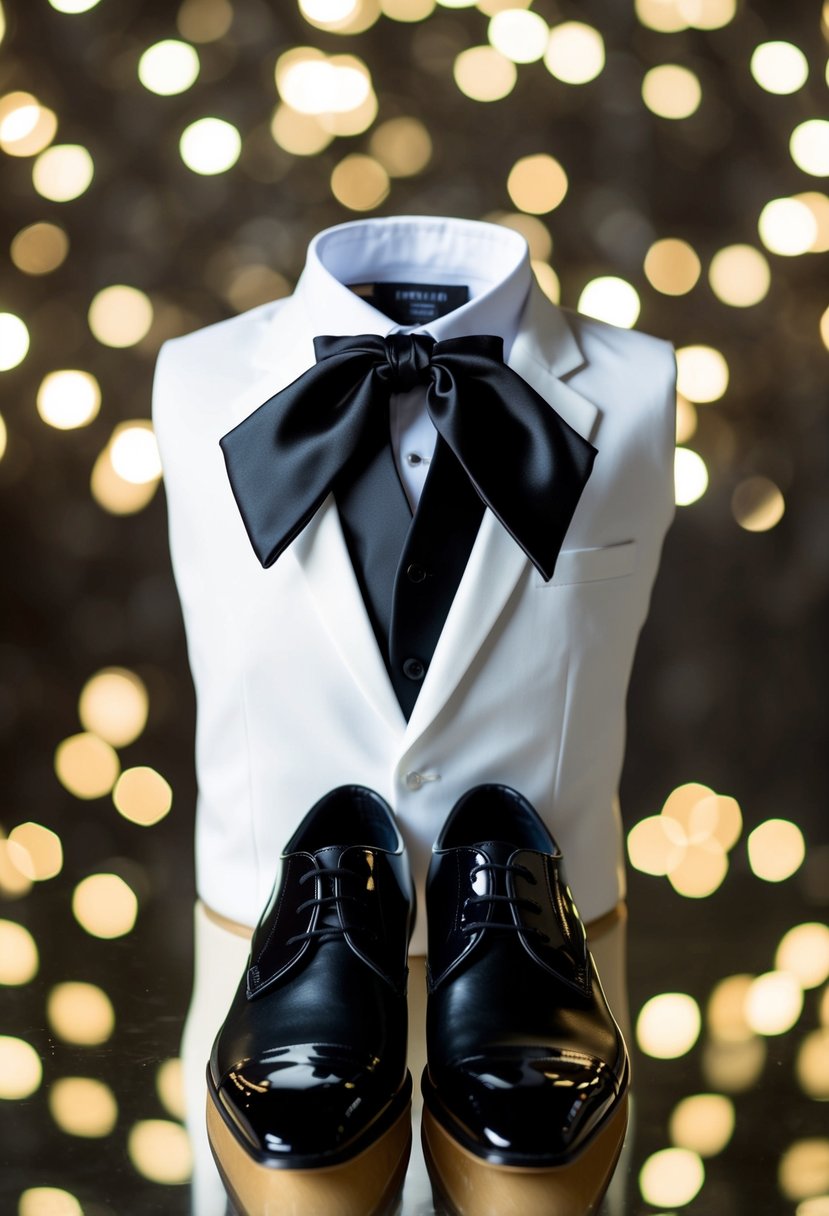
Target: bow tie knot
x,y
409,357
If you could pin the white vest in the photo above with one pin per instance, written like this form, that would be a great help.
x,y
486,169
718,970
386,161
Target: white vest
x,y
528,682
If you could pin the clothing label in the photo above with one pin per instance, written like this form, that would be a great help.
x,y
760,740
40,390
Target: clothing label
x,y
412,303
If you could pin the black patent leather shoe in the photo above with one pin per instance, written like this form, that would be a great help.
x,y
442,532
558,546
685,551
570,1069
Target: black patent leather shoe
x,y
525,1090
308,1109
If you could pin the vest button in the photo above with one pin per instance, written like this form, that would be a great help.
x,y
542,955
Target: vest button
x,y
413,781
414,669
415,573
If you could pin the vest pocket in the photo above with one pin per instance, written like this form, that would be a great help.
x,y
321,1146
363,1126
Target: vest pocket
x,y
590,565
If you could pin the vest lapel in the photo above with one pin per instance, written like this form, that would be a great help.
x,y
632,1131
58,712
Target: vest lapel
x,y
281,353
544,350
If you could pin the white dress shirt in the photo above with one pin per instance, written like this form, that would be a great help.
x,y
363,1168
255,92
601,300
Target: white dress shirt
x,y
492,262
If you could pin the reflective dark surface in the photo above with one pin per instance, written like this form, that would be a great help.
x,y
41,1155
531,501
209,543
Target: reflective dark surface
x,y
730,681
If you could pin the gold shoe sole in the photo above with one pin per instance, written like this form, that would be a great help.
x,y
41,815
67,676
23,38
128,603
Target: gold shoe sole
x,y
366,1185
466,1185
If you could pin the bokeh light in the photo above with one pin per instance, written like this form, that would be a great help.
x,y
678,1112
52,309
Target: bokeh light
x,y
519,34
575,52
804,1168
787,227
134,452
20,1069
739,275
83,1106
779,67
757,504
36,851
774,1002
299,134
703,1123
804,951
671,91
86,765
39,248
120,316
160,1150
776,849
484,74
168,67
121,495
734,1067
314,83
26,127
812,1066
656,845
142,795
360,182
701,871
407,10
104,906
13,882
672,266
114,705
668,1025
340,16
403,146
537,183
701,373
690,476
204,22
210,145
81,1013
63,172
169,1084
547,280
818,204
707,14
671,1177
48,1201
68,399
661,15
19,959
809,146
14,341
609,298
73,6
725,1013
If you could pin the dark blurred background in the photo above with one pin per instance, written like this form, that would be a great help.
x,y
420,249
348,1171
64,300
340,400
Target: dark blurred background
x,y
164,166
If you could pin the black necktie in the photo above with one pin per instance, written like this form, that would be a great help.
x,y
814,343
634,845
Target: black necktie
x,y
524,461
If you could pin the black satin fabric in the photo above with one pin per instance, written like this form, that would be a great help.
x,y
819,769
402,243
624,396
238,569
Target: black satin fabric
x,y
524,461
525,1058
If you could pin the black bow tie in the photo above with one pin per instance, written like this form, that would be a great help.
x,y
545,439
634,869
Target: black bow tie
x,y
525,462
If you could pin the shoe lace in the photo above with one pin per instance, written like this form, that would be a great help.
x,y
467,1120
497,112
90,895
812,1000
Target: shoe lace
x,y
514,901
334,899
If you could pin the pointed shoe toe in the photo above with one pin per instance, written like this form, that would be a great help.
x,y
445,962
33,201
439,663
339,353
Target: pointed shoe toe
x,y
525,1090
308,1094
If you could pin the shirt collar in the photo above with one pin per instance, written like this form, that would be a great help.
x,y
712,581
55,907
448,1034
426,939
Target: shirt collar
x,y
493,261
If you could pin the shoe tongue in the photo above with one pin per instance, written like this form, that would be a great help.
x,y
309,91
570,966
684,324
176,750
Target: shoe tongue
x,y
329,857
497,851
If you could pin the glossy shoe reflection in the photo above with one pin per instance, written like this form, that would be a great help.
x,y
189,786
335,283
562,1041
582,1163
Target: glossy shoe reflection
x,y
308,1109
525,1090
